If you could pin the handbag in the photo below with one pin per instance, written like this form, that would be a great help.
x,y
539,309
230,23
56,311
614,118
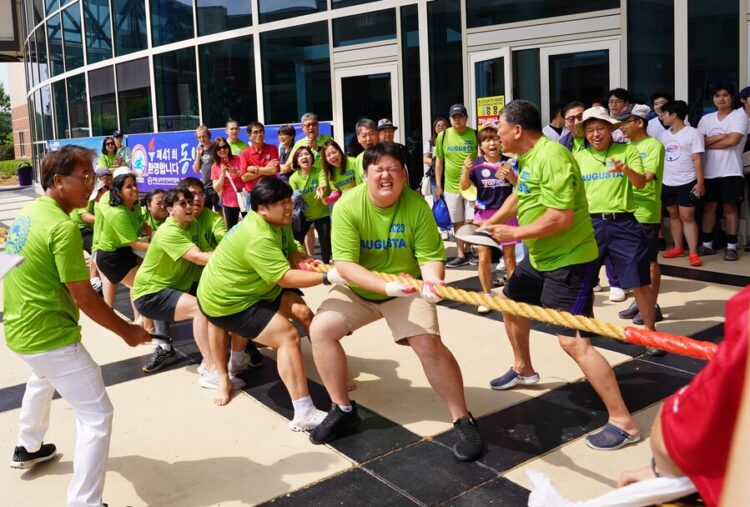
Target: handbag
x,y
241,195
441,214
426,186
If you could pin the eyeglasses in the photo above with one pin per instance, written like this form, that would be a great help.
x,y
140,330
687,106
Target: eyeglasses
x,y
109,144
257,132
87,178
184,203
572,118
200,195
222,147
310,125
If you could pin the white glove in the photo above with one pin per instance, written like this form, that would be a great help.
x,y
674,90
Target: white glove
x,y
335,277
428,292
398,289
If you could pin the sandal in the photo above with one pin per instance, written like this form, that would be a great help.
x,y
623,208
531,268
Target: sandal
x,y
610,438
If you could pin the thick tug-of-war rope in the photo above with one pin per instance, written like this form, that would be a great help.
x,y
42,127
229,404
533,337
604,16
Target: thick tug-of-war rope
x,y
681,345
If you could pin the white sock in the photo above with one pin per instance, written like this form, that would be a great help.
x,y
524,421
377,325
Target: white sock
x,y
731,246
302,407
709,244
165,346
236,356
345,408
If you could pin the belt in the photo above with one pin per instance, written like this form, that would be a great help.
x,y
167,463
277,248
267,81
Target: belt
x,y
613,216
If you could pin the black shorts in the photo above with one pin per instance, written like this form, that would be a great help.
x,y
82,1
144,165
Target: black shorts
x,y
679,195
159,305
729,190
250,322
568,289
116,265
87,235
651,231
622,240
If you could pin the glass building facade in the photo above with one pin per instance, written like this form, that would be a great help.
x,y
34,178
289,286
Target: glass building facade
x,y
93,66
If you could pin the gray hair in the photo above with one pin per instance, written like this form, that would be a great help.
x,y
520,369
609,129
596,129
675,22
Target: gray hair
x,y
308,116
365,123
523,113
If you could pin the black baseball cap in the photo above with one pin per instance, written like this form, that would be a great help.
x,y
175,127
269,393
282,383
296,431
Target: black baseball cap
x,y
116,133
457,109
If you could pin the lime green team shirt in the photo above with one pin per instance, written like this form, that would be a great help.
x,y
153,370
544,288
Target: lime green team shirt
x,y
360,167
163,267
608,192
393,240
549,178
316,208
348,178
106,161
77,216
648,199
38,312
120,226
453,148
99,205
246,267
149,220
237,147
211,229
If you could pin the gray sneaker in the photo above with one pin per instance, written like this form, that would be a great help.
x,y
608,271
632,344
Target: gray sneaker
x,y
730,254
457,262
704,250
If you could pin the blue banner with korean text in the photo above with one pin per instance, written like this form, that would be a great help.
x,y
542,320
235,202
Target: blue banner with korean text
x,y
162,160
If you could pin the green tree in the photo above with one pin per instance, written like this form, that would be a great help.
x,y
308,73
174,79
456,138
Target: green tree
x,y
4,100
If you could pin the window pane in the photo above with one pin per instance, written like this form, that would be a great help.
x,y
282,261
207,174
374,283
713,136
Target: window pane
x,y
176,90
46,107
60,98
54,35
51,5
98,30
650,48
130,25
29,16
221,15
337,4
33,63
495,12
411,130
362,28
134,95
171,21
580,76
713,51
103,105
72,37
526,76
41,53
38,11
446,71
296,73
32,117
272,10
228,82
79,117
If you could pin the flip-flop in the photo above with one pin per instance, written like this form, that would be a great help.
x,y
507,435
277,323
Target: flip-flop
x,y
610,438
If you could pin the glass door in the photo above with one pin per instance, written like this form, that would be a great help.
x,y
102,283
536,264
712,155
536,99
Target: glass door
x,y
365,92
490,84
583,71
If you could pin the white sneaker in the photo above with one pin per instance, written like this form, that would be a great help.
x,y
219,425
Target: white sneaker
x,y
202,368
483,309
617,295
211,381
500,265
597,288
96,283
313,419
236,367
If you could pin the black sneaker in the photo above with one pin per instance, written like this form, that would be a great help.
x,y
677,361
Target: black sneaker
x,y
457,262
630,312
160,359
500,282
730,254
24,459
704,250
650,351
336,422
658,317
256,358
469,445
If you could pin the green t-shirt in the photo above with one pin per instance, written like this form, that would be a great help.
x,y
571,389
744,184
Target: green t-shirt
x,y
246,267
316,208
149,220
347,179
211,229
360,169
163,267
106,161
318,161
38,311
606,191
648,198
237,147
549,178
99,205
453,148
120,226
77,216
392,240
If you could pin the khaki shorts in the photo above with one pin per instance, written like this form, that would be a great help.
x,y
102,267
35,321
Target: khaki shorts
x,y
459,208
406,317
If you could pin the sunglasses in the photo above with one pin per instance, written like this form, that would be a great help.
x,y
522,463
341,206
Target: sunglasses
x,y
184,203
87,178
109,144
222,147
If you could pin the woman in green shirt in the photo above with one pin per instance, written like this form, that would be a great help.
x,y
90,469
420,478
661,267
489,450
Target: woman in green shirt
x,y
340,170
108,156
311,183
154,211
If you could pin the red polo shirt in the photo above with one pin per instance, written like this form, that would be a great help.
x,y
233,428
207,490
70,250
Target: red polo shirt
x,y
252,157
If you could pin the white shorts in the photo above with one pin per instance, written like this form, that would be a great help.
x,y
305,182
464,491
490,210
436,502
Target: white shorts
x,y
459,208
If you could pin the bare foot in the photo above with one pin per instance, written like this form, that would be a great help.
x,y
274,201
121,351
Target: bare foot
x,y
224,393
351,385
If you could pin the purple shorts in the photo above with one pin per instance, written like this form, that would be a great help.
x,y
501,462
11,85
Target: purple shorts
x,y
480,215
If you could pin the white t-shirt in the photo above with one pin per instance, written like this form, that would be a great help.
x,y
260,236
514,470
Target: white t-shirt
x,y
655,128
678,160
618,136
552,134
724,162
